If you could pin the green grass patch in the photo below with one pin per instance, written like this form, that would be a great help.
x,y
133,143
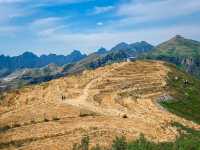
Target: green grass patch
x,y
186,102
188,141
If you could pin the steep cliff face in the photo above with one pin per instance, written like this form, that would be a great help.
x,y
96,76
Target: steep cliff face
x,y
191,65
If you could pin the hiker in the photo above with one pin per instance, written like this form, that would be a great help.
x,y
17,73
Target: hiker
x,y
63,97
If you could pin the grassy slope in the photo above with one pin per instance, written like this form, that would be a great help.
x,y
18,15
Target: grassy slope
x,y
177,46
186,102
177,50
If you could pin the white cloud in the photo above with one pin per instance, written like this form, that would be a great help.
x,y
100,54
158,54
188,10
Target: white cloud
x,y
89,42
100,10
10,1
100,23
47,26
54,32
41,1
158,10
46,22
8,12
63,1
60,42
44,3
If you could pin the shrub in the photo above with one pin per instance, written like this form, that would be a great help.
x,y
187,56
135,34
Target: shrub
x,y
46,120
16,125
86,113
4,128
84,144
97,147
142,144
56,118
120,143
189,141
1,97
33,121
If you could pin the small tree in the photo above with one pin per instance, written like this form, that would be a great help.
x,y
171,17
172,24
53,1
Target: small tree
x,y
84,144
120,144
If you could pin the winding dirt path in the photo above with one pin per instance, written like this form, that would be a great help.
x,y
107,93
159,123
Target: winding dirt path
x,y
82,102
144,107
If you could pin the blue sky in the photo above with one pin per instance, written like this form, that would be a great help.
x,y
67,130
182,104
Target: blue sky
x,y
59,26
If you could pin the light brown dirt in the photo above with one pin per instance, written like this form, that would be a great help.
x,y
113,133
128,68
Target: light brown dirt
x,y
57,114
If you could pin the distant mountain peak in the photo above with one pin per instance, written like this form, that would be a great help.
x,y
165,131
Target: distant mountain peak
x,y
177,38
28,54
144,42
120,46
141,46
101,50
76,52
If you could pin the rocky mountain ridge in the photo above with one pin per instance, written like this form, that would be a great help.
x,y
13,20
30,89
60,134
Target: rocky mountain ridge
x,y
30,60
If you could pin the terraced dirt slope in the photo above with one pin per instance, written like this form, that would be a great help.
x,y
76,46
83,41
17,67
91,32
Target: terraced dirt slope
x,y
120,99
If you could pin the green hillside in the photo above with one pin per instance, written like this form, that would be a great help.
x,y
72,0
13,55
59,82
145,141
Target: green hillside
x,y
185,53
185,90
177,46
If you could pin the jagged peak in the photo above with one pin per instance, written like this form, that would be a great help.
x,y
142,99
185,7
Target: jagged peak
x,y
76,53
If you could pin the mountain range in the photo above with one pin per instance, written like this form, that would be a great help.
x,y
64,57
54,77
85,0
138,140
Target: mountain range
x,y
102,57
29,68
118,99
30,60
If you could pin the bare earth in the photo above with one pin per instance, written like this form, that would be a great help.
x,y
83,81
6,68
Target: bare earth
x,y
111,101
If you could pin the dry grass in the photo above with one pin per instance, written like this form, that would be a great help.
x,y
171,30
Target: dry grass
x,y
111,101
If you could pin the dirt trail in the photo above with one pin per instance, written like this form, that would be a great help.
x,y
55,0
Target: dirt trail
x,y
144,106
81,101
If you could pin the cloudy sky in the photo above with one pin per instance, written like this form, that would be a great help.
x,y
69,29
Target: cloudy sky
x,y
59,26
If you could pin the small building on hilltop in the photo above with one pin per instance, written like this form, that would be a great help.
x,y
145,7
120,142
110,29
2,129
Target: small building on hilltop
x,y
130,59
